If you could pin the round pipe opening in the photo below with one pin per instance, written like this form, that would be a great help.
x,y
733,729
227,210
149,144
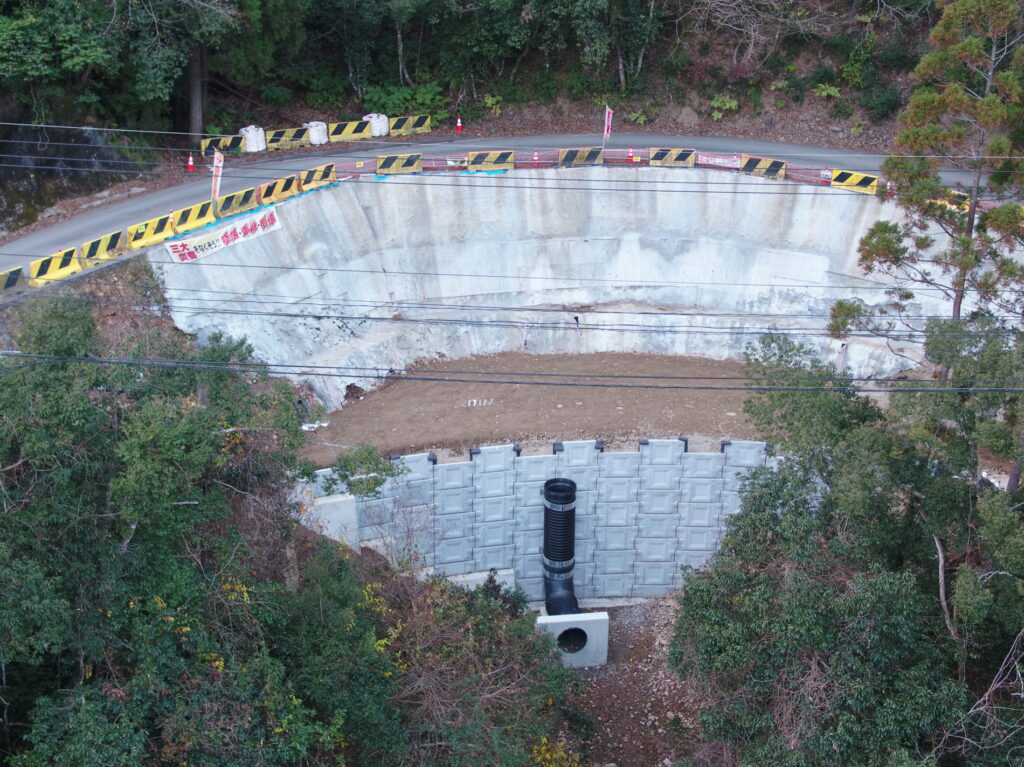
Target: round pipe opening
x,y
572,640
559,491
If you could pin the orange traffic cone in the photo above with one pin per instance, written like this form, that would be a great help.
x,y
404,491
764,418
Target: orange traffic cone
x,y
631,154
536,157
458,124
191,165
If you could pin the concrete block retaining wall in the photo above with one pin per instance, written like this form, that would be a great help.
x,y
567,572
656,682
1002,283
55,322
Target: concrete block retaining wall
x,y
640,515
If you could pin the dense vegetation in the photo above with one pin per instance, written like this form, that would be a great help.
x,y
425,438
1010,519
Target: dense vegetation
x,y
133,63
160,605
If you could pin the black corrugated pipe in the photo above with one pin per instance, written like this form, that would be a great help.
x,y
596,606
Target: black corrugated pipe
x,y
559,554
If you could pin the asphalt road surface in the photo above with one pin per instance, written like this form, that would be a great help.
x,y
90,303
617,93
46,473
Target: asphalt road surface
x,y
120,214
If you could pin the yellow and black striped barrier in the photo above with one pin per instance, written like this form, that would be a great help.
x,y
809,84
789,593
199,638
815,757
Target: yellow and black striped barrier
x,y
349,131
390,164
286,138
672,158
101,249
505,160
223,143
855,182
193,217
407,126
579,157
314,178
150,232
278,189
763,166
236,202
52,268
11,280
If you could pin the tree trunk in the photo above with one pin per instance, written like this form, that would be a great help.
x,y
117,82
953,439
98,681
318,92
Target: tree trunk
x,y
622,71
1013,482
403,73
196,102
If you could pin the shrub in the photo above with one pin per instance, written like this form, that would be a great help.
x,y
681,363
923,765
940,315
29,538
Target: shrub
x,y
881,101
824,75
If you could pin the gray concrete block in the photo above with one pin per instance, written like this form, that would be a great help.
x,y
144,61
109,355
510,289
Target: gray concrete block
x,y
334,516
699,514
616,538
455,500
618,464
586,502
527,566
532,587
730,504
585,477
448,476
649,592
655,573
494,534
609,586
744,453
583,575
616,514
494,483
498,557
614,562
586,524
418,493
662,452
454,525
584,549
660,477
703,465
701,490
536,468
471,581
592,627
655,550
495,509
733,478
618,489
461,567
375,511
453,550
529,518
528,542
529,493
659,501
694,559
417,467
579,453
697,538
657,526
493,458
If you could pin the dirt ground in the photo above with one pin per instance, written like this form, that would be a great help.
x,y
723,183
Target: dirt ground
x,y
449,417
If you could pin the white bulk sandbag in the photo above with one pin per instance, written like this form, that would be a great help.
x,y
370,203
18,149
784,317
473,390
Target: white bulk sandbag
x,y
378,124
317,132
255,138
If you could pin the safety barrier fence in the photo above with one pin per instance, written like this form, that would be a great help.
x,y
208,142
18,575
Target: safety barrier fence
x,y
69,261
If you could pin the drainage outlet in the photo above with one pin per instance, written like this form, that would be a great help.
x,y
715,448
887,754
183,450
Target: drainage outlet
x,y
582,638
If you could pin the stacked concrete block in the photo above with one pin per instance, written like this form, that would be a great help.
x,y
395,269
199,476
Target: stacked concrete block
x,y
741,457
618,492
494,477
531,473
578,461
661,475
454,518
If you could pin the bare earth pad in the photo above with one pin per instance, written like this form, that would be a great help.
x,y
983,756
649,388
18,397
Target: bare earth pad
x,y
411,416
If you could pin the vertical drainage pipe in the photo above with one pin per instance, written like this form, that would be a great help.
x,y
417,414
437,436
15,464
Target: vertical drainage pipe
x,y
559,554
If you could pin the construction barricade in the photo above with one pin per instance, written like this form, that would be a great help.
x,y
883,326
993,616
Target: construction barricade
x,y
349,131
672,158
223,144
578,157
504,160
763,166
237,202
150,232
287,138
52,268
193,217
278,189
399,163
101,249
408,126
314,178
11,280
855,182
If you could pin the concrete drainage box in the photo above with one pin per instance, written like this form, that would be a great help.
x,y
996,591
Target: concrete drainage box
x,y
582,639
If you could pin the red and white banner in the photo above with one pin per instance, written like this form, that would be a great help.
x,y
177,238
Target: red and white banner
x,y
608,122
218,166
241,229
719,160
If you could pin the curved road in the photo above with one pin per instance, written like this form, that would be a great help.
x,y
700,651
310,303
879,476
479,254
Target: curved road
x,y
121,214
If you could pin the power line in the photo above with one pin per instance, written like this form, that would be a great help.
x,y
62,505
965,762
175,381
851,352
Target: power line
x,y
335,372
89,128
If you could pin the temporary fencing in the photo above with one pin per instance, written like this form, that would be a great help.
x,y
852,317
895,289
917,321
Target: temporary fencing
x,y
151,232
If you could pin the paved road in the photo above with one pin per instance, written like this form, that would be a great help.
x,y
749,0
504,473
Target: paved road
x,y
120,214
